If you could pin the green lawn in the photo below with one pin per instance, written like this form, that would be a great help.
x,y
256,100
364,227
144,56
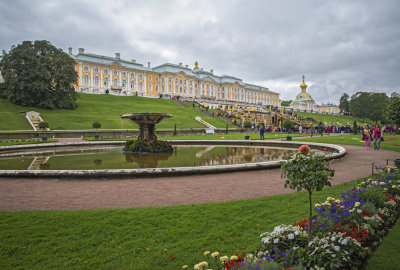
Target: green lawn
x,y
335,119
145,238
107,110
392,142
386,257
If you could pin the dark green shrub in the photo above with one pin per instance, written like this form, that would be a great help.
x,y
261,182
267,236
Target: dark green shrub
x,y
43,125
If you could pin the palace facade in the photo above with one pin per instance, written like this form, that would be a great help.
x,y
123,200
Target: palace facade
x,y
97,74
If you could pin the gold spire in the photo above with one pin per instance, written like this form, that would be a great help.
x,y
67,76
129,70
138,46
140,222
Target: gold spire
x,y
303,86
196,65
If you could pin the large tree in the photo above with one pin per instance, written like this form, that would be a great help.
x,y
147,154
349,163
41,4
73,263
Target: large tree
x,y
393,110
40,75
344,104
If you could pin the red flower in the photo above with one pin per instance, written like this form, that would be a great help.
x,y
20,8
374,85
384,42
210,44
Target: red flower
x,y
304,149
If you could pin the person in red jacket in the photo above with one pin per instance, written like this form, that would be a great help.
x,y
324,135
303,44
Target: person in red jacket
x,y
377,135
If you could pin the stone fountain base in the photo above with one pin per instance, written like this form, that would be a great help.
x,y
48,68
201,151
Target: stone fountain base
x,y
140,147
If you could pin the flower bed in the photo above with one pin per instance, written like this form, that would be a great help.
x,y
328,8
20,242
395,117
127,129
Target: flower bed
x,y
345,231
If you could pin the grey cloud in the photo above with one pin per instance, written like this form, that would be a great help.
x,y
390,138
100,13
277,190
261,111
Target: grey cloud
x,y
341,46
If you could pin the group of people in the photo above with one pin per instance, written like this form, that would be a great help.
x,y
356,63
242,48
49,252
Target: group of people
x,y
372,133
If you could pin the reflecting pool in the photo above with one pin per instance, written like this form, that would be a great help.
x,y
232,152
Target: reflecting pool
x,y
93,158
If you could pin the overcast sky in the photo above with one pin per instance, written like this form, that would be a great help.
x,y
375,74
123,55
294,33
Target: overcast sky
x,y
340,46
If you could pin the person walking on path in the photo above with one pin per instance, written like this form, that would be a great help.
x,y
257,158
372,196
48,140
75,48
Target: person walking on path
x,y
367,137
377,135
262,132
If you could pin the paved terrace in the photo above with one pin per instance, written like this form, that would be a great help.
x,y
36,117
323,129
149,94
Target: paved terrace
x,y
74,193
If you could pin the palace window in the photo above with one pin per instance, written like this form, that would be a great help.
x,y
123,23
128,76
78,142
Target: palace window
x,y
140,76
132,75
162,79
191,89
169,88
140,86
132,84
180,81
123,83
105,81
195,85
162,88
150,87
123,74
115,82
156,79
150,78
115,73
96,80
86,68
184,81
156,87
191,82
184,89
180,89
106,71
86,79
96,70
176,89
176,80
169,79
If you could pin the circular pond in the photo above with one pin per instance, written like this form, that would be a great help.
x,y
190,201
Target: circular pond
x,y
88,159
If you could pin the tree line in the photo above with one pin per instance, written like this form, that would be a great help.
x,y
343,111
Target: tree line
x,y
372,105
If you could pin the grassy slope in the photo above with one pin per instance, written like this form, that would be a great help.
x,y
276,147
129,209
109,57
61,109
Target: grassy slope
x,y
107,110
144,238
392,142
335,119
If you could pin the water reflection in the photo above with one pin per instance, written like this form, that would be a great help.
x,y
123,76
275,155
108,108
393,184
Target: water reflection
x,y
147,160
113,158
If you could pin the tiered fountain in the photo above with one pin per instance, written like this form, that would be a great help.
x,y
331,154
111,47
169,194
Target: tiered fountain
x,y
147,141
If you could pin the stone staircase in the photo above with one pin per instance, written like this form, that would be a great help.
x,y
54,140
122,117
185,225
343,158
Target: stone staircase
x,y
34,119
198,119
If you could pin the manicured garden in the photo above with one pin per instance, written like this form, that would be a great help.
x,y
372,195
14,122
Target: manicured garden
x,y
25,141
107,110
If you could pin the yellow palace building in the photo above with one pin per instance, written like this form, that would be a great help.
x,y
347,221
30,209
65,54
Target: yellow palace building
x,y
97,74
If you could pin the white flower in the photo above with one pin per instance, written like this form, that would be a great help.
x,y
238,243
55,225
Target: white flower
x,y
336,248
276,240
290,236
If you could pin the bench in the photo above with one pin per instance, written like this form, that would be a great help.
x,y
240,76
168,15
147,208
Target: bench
x,y
379,168
209,131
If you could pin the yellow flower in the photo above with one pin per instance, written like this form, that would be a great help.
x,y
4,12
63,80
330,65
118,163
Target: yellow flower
x,y
366,218
233,258
359,211
185,266
207,252
224,258
196,267
317,205
203,265
385,189
394,186
214,254
337,201
357,204
382,183
352,210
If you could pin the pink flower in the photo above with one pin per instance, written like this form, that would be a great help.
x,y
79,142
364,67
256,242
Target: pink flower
x,y
304,149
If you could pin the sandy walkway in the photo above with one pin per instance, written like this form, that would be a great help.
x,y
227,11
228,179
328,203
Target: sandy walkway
x,y
51,194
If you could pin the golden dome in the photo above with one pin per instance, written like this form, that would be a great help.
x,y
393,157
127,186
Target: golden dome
x,y
303,86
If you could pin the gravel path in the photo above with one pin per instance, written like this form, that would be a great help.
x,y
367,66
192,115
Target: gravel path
x,y
57,194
